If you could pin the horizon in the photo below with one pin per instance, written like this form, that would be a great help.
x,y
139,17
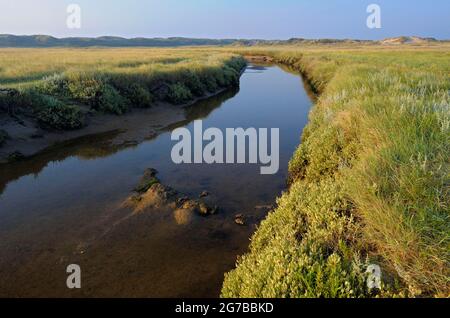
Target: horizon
x,y
261,20
200,38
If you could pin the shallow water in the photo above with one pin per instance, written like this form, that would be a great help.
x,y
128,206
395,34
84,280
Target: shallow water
x,y
63,206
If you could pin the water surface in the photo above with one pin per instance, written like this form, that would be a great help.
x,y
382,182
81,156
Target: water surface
x,y
61,206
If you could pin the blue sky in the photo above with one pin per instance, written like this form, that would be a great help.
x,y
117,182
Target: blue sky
x,y
268,19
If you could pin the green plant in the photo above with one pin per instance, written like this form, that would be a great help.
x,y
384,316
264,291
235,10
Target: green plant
x,y
210,81
192,81
369,182
179,94
55,85
139,96
231,76
109,100
50,112
117,79
85,87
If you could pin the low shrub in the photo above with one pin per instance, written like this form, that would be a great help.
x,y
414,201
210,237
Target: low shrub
x,y
50,112
303,249
4,102
236,63
24,101
108,100
210,81
55,85
85,87
139,96
220,77
179,94
231,76
192,81
11,100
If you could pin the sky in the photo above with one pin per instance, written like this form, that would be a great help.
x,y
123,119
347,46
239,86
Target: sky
x,y
247,19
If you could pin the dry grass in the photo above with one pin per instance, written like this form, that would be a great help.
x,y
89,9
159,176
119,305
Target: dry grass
x,y
52,83
19,67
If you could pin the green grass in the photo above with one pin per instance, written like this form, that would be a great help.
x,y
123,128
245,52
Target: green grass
x,y
109,80
369,183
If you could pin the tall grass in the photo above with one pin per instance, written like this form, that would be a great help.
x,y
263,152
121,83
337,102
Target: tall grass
x,y
369,182
54,82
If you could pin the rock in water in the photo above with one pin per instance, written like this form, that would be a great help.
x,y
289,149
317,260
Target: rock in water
x,y
182,200
206,209
150,193
199,207
240,219
204,194
148,179
183,216
157,196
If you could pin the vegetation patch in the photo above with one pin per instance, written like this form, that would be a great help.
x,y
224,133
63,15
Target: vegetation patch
x,y
85,87
49,111
109,100
369,183
60,116
110,81
179,94
139,96
55,85
194,84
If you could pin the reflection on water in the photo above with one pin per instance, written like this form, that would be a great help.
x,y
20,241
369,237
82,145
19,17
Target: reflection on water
x,y
99,145
63,206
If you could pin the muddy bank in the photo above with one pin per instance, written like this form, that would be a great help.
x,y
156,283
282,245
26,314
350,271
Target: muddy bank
x,y
23,137
62,107
108,135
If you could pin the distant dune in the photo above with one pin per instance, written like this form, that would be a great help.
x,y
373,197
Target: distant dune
x,y
300,41
36,41
409,40
7,40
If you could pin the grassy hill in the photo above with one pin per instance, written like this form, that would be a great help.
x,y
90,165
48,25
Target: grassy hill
x,y
32,41
46,41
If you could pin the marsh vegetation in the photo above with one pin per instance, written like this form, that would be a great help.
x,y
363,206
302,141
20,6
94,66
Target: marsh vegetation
x,y
58,86
368,184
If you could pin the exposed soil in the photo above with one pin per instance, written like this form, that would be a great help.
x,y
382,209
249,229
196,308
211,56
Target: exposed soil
x,y
26,138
